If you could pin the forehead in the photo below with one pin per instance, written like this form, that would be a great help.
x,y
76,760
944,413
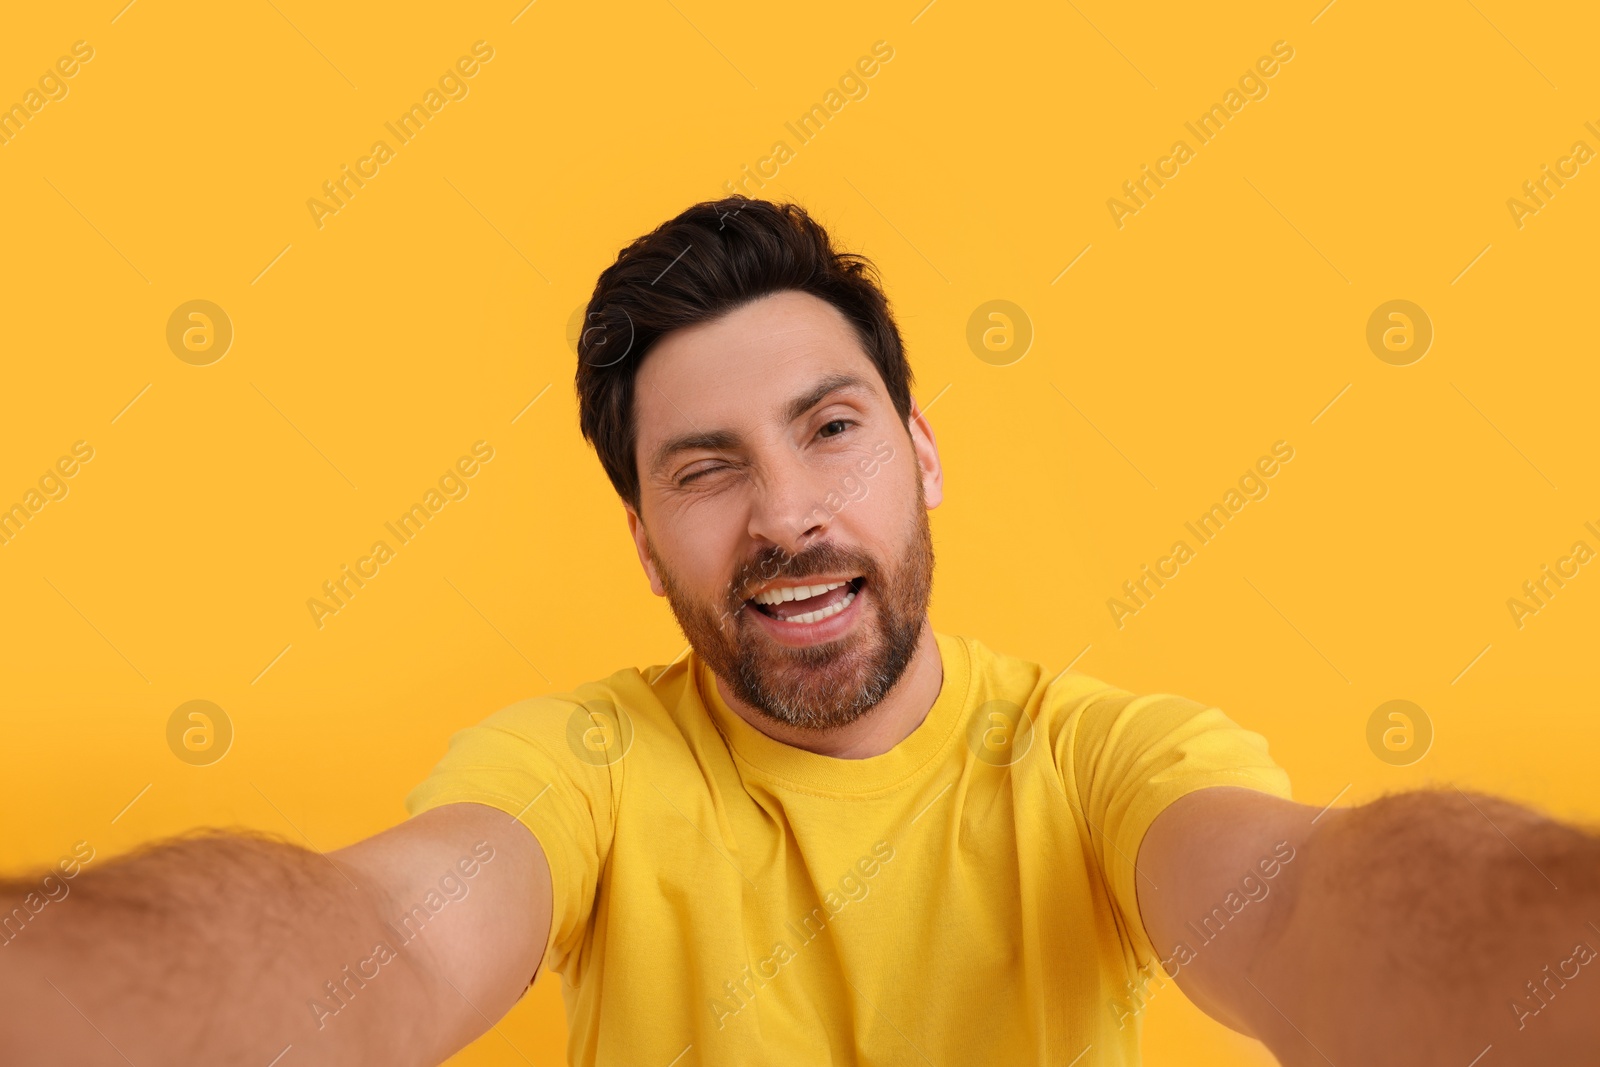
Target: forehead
x,y
744,367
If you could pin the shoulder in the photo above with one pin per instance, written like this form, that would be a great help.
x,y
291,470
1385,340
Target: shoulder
x,y
596,721
1047,692
572,739
635,692
1097,730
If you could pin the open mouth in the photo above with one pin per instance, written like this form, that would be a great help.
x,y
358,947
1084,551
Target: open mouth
x,y
806,604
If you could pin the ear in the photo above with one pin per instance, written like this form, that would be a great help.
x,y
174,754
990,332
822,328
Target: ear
x,y
640,543
927,452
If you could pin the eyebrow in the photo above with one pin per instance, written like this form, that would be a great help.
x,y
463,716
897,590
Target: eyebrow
x,y
724,440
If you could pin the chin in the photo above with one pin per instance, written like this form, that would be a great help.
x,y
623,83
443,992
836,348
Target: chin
x,y
821,687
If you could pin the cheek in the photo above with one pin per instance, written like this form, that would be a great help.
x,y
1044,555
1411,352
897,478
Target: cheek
x,y
702,545
896,488
880,521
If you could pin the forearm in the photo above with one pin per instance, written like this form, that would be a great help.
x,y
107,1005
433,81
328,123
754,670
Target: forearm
x,y
216,949
1417,925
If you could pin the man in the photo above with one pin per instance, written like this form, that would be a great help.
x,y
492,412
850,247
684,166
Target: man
x,y
829,833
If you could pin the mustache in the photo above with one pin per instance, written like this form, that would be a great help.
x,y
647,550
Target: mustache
x,y
772,563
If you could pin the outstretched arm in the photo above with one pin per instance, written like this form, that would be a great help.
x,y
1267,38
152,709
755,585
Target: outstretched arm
x,y
226,949
1423,928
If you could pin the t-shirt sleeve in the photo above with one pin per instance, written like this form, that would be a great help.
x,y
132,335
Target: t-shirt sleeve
x,y
1124,758
523,760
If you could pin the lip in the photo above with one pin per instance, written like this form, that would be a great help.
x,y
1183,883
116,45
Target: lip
x,y
806,634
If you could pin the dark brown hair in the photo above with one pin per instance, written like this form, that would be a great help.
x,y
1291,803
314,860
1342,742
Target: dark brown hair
x,y
716,256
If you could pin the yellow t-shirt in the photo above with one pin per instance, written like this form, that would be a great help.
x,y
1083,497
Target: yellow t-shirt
x,y
967,897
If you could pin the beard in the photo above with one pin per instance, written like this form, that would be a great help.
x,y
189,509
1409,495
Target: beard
x,y
823,686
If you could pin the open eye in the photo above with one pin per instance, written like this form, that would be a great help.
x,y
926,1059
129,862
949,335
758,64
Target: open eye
x,y
834,427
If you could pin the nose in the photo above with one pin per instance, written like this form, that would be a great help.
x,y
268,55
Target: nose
x,y
789,509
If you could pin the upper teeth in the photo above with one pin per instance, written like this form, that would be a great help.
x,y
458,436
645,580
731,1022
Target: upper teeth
x,y
794,592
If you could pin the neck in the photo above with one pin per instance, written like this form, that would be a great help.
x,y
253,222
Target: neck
x,y
883,726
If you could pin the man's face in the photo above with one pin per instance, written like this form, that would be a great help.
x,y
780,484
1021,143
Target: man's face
x,y
783,508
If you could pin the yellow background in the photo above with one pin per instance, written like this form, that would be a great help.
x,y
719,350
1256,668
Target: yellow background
x,y
426,314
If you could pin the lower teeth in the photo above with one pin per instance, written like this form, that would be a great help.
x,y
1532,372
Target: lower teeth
x,y
824,613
